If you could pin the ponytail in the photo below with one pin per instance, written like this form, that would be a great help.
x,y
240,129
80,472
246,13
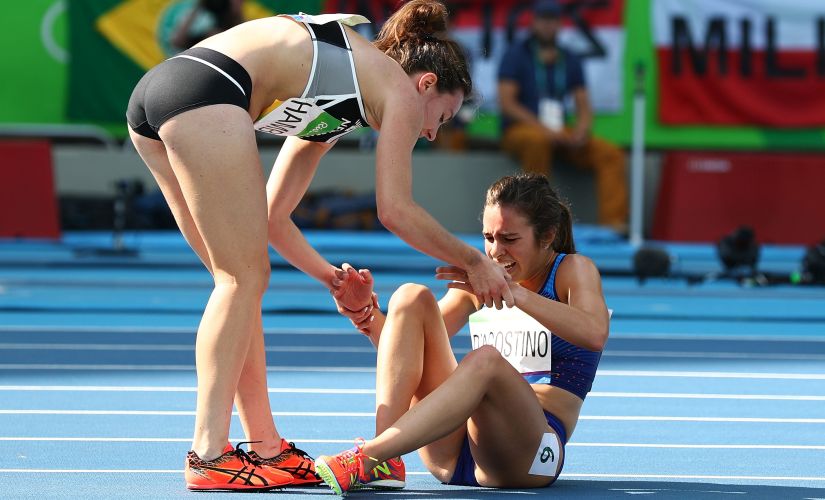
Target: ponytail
x,y
563,243
414,20
416,37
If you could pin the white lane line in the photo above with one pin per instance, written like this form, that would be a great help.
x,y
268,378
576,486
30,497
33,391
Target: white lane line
x,y
180,413
694,476
349,441
93,471
12,346
370,369
112,388
685,395
157,440
183,368
629,418
714,355
162,329
763,420
697,374
703,336
321,390
422,473
700,446
173,347
724,337
95,347
683,491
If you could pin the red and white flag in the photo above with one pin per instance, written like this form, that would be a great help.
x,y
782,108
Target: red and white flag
x,y
741,62
592,29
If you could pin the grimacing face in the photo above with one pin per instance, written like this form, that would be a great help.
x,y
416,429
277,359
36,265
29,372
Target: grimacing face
x,y
510,241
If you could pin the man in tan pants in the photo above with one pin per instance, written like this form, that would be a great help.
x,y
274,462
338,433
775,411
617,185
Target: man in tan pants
x,y
535,76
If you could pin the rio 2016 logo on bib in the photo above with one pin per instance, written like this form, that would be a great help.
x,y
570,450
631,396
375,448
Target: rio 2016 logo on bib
x,y
323,124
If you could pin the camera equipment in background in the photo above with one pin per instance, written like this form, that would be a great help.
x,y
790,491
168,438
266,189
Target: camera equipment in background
x,y
739,253
813,266
651,262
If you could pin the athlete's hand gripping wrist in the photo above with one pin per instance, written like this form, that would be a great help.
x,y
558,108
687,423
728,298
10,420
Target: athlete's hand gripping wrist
x,y
489,280
351,289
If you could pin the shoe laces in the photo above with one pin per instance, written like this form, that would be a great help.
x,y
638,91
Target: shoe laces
x,y
297,451
292,450
350,459
243,455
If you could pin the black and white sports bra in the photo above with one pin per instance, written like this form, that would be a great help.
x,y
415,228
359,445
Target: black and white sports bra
x,y
331,103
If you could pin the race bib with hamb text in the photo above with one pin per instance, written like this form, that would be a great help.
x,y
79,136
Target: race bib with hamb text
x,y
522,341
302,117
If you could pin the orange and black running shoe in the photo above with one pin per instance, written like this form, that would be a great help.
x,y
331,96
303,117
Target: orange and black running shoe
x,y
233,470
295,461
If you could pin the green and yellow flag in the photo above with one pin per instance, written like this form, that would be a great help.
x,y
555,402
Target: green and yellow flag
x,y
113,42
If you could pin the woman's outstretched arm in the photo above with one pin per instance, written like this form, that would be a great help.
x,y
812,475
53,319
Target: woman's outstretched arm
x,y
293,170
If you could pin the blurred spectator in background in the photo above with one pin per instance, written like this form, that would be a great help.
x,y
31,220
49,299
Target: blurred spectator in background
x,y
207,17
535,76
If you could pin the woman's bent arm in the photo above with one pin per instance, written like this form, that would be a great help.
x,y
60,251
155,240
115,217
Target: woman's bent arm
x,y
403,216
581,317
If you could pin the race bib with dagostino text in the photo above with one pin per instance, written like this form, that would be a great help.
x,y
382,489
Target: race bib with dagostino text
x,y
522,341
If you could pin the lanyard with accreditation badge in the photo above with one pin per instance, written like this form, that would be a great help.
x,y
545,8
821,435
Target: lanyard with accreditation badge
x,y
551,110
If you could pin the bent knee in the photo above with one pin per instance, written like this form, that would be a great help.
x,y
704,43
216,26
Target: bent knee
x,y
485,360
412,296
252,278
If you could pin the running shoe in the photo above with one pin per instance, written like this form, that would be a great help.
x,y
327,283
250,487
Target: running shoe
x,y
389,475
233,470
293,460
344,472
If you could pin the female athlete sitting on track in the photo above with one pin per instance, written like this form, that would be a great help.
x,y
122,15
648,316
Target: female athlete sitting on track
x,y
193,119
481,421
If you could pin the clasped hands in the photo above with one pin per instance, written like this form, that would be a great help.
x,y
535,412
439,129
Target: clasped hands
x,y
352,290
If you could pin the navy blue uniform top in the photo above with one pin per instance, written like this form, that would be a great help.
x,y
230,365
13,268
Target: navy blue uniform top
x,y
520,64
573,368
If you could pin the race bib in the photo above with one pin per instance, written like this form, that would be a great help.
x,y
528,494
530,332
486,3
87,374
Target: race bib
x,y
302,117
548,457
522,341
551,114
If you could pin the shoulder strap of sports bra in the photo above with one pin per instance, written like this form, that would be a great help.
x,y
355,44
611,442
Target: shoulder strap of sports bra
x,y
550,284
347,19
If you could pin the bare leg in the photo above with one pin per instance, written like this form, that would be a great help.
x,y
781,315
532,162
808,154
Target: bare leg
x,y
153,154
414,358
251,398
414,355
491,394
219,175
